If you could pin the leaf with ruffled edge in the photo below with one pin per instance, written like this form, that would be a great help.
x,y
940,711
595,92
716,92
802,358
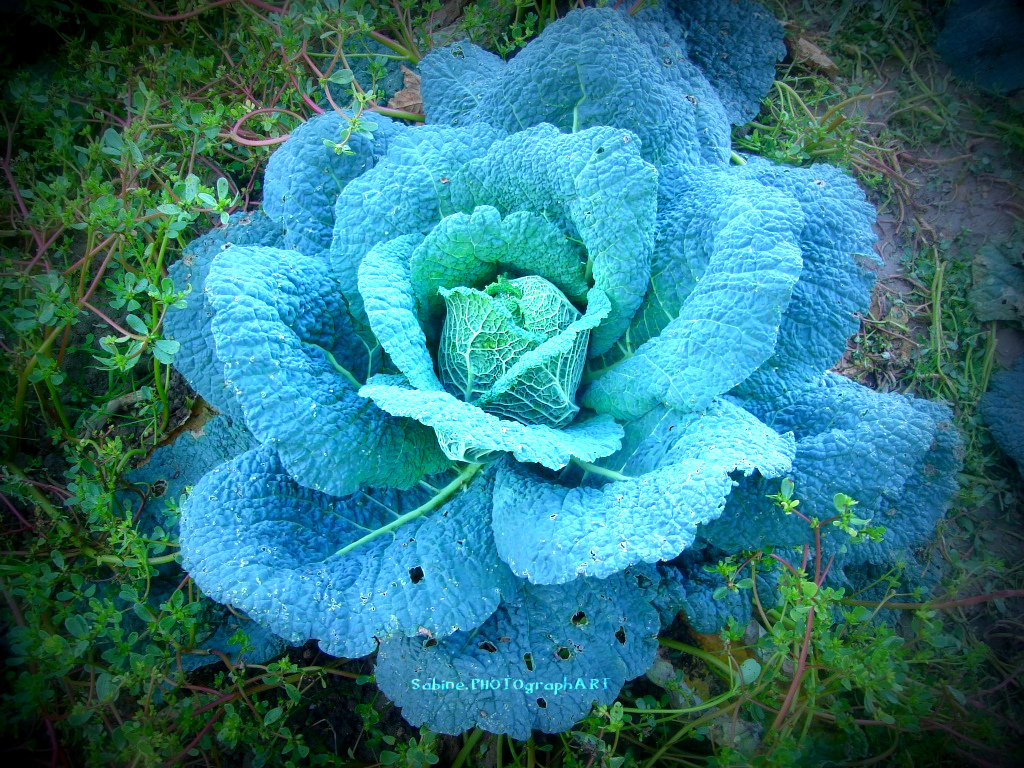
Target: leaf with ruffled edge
x,y
467,433
592,184
897,456
594,67
837,245
197,360
390,305
728,324
540,662
408,192
735,43
305,175
674,475
253,538
289,350
469,250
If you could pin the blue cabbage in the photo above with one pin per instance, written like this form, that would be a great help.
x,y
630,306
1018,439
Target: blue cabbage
x,y
514,376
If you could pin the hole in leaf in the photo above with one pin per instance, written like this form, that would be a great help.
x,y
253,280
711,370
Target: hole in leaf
x,y
488,646
541,703
579,619
431,642
563,653
528,659
620,635
416,574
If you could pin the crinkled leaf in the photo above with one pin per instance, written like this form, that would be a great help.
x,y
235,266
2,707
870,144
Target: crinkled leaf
x,y
595,186
305,175
194,452
190,326
735,43
588,69
282,331
518,349
390,306
836,244
454,79
467,433
897,456
471,249
707,604
545,378
539,663
408,192
729,322
253,538
678,467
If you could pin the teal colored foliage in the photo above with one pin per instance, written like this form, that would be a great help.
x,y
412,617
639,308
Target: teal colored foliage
x,y
517,378
1003,411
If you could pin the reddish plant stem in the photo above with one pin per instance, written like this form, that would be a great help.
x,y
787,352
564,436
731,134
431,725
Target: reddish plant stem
x,y
15,512
92,252
199,736
215,4
111,323
940,605
798,676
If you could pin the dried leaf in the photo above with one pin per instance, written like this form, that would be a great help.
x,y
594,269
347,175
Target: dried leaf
x,y
803,51
408,99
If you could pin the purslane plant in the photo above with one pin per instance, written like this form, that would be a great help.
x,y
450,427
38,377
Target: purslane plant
x,y
517,375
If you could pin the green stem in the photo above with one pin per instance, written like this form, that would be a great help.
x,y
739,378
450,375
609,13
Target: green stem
x,y
337,366
442,496
37,496
707,658
398,114
611,474
467,747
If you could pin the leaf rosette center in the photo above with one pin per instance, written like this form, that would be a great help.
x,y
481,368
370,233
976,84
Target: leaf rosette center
x,y
502,350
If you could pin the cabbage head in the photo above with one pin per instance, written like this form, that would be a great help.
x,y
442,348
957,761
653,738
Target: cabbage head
x,y
517,375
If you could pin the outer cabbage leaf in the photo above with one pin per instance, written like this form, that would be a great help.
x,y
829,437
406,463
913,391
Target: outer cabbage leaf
x,y
688,588
197,357
567,636
735,244
305,175
897,456
1003,410
596,187
735,44
282,331
183,462
836,242
588,69
998,277
678,467
253,538
467,433
453,81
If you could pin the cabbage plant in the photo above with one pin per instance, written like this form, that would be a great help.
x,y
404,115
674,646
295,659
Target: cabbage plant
x,y
515,377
